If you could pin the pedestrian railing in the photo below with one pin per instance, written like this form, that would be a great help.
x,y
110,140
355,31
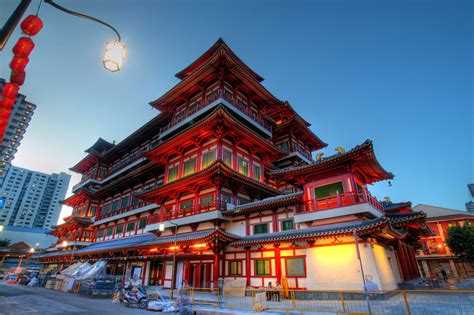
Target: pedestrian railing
x,y
388,302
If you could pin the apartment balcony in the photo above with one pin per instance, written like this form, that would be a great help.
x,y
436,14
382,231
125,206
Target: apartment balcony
x,y
233,101
198,213
347,203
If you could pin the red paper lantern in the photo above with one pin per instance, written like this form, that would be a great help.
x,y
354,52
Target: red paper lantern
x,y
23,47
31,25
3,123
6,103
4,114
18,77
19,63
10,90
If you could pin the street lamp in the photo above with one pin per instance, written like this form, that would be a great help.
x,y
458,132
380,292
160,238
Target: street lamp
x,y
64,243
115,50
173,272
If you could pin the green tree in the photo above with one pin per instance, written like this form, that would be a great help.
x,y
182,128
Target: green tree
x,y
4,243
461,240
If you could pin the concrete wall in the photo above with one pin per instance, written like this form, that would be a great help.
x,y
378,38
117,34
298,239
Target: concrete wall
x,y
337,267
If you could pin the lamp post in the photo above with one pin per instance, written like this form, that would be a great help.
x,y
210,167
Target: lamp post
x,y
7,30
173,271
115,50
356,239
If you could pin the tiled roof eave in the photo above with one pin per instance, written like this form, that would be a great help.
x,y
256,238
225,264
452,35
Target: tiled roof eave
x,y
303,235
399,219
261,205
210,117
215,167
364,149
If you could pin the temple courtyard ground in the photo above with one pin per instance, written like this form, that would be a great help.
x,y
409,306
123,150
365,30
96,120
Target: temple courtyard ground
x,y
16,299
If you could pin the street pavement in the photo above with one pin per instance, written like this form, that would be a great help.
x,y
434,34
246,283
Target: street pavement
x,y
15,299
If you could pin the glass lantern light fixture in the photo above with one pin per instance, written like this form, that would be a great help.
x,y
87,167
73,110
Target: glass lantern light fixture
x,y
115,54
115,50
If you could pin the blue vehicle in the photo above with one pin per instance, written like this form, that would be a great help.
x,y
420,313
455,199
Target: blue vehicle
x,y
98,285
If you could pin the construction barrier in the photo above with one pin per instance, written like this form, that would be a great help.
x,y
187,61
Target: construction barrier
x,y
406,302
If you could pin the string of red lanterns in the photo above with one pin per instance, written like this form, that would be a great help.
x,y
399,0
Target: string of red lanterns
x,y
30,26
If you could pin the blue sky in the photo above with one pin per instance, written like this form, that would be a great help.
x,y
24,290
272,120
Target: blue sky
x,y
397,72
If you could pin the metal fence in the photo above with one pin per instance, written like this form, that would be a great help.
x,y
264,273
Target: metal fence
x,y
406,302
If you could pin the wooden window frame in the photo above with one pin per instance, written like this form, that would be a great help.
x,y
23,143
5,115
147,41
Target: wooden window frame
x,y
239,267
269,267
260,224
304,275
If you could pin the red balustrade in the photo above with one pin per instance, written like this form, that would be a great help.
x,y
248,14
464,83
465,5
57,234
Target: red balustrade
x,y
123,210
342,200
171,214
228,97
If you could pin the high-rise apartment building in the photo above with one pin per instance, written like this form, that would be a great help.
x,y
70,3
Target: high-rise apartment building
x,y
32,199
15,131
470,203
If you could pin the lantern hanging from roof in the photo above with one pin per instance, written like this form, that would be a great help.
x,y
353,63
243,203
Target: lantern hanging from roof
x,y
23,47
31,25
19,63
4,114
10,90
18,77
6,102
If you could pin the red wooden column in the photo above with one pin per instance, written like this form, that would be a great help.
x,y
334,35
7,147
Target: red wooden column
x,y
186,268
277,262
143,274
247,225
416,270
407,261
410,266
247,265
402,260
215,277
275,221
163,273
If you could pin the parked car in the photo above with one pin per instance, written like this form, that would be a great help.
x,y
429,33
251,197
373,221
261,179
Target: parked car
x,y
2,274
98,285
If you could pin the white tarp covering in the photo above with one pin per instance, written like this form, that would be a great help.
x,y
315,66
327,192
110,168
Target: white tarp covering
x,y
70,268
91,271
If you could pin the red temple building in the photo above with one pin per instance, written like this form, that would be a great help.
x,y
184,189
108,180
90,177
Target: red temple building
x,y
227,169
434,251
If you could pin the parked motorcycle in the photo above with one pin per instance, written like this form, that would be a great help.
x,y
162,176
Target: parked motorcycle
x,y
136,297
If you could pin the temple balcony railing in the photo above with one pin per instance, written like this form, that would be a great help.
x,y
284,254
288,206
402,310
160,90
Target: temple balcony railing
x,y
83,181
112,172
137,205
124,163
341,204
190,215
172,214
234,101
81,241
296,147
